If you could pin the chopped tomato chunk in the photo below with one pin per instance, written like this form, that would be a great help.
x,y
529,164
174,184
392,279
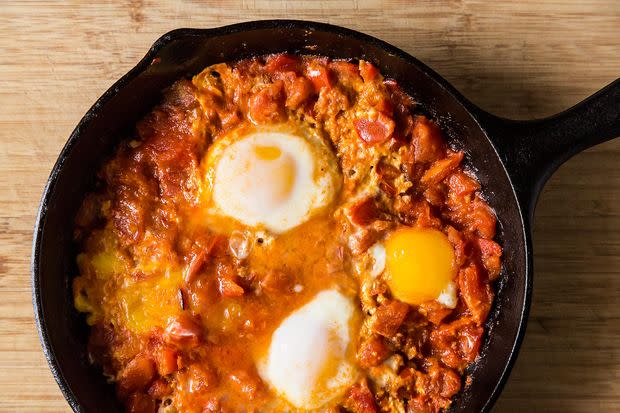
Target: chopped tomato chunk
x,y
434,311
477,294
183,330
229,288
482,219
368,71
426,140
320,77
267,105
459,244
364,212
374,131
387,171
389,317
419,405
226,277
491,254
457,343
195,265
166,360
298,91
360,399
387,174
283,63
462,184
444,381
372,352
230,119
137,375
441,169
470,339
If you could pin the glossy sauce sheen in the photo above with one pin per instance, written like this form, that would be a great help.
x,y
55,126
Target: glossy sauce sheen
x,y
183,300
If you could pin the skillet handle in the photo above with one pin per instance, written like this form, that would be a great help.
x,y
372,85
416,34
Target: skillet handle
x,y
533,150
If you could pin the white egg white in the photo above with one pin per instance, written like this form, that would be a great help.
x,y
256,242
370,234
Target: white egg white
x,y
307,360
447,298
277,194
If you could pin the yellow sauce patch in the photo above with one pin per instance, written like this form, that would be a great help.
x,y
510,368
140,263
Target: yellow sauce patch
x,y
150,303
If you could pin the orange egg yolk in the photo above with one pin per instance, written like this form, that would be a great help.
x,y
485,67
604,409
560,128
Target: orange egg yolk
x,y
267,153
419,264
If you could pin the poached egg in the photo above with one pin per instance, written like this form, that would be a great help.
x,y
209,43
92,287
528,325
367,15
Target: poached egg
x,y
418,266
309,362
274,177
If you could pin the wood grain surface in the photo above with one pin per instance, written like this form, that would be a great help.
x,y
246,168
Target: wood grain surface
x,y
519,59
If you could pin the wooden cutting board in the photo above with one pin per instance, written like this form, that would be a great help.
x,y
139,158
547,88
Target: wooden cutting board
x,y
520,59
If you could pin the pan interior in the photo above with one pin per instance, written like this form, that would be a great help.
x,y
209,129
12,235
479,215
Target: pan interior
x,y
186,52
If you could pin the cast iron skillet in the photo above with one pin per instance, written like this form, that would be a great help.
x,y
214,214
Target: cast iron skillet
x,y
513,159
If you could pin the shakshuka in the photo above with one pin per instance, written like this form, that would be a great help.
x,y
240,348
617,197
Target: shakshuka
x,y
286,234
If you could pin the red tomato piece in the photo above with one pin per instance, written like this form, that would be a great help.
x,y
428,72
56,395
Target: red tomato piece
x,y
183,330
360,399
195,265
364,212
283,63
441,169
298,90
491,253
426,140
267,105
477,294
419,405
137,375
229,288
368,71
462,184
448,382
375,131
470,339
389,317
230,119
166,360
226,276
372,351
434,311
459,244
321,78
482,219
387,171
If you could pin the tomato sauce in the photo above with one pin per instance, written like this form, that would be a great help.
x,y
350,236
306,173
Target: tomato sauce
x,y
178,307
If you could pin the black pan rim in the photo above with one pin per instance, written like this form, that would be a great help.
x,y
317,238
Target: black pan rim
x,y
229,29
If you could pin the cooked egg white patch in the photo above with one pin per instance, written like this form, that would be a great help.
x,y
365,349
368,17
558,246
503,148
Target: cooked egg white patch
x,y
307,361
275,178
